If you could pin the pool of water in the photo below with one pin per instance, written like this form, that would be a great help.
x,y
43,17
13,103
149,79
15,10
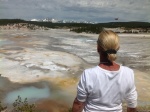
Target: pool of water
x,y
31,92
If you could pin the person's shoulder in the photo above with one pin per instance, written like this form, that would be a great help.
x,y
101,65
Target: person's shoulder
x,y
92,69
127,69
90,73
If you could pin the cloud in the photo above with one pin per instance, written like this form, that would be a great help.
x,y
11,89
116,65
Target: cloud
x,y
95,10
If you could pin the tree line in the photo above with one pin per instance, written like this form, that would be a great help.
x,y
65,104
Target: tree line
x,y
81,27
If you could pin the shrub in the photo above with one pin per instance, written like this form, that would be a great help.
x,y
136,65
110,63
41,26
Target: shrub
x,y
23,106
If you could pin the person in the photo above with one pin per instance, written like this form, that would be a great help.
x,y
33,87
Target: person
x,y
106,86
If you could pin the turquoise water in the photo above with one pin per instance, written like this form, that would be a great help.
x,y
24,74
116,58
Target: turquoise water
x,y
32,93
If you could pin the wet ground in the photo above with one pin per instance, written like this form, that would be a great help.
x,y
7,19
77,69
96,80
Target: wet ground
x,y
58,57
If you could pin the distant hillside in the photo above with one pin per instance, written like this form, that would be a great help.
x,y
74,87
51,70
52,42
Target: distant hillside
x,y
83,27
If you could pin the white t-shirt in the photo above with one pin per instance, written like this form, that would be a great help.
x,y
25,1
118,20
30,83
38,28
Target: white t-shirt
x,y
104,91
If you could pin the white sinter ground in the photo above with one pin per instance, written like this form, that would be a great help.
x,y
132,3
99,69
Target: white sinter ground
x,y
30,56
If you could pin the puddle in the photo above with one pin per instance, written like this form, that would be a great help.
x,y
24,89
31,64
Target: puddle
x,y
31,92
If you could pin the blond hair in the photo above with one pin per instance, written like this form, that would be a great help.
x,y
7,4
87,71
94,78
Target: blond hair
x,y
109,40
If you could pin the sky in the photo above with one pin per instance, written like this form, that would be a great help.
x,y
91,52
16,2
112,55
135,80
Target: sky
x,y
78,10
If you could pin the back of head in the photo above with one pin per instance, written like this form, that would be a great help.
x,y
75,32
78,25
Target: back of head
x,y
108,41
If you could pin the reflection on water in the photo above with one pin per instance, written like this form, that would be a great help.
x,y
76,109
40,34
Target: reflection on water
x,y
32,93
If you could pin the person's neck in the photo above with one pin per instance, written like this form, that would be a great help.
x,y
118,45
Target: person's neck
x,y
104,60
108,65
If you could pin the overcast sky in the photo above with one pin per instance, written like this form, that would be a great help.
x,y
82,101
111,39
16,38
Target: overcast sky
x,y
89,10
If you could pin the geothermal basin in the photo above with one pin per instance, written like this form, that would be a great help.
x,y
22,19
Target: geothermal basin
x,y
45,65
